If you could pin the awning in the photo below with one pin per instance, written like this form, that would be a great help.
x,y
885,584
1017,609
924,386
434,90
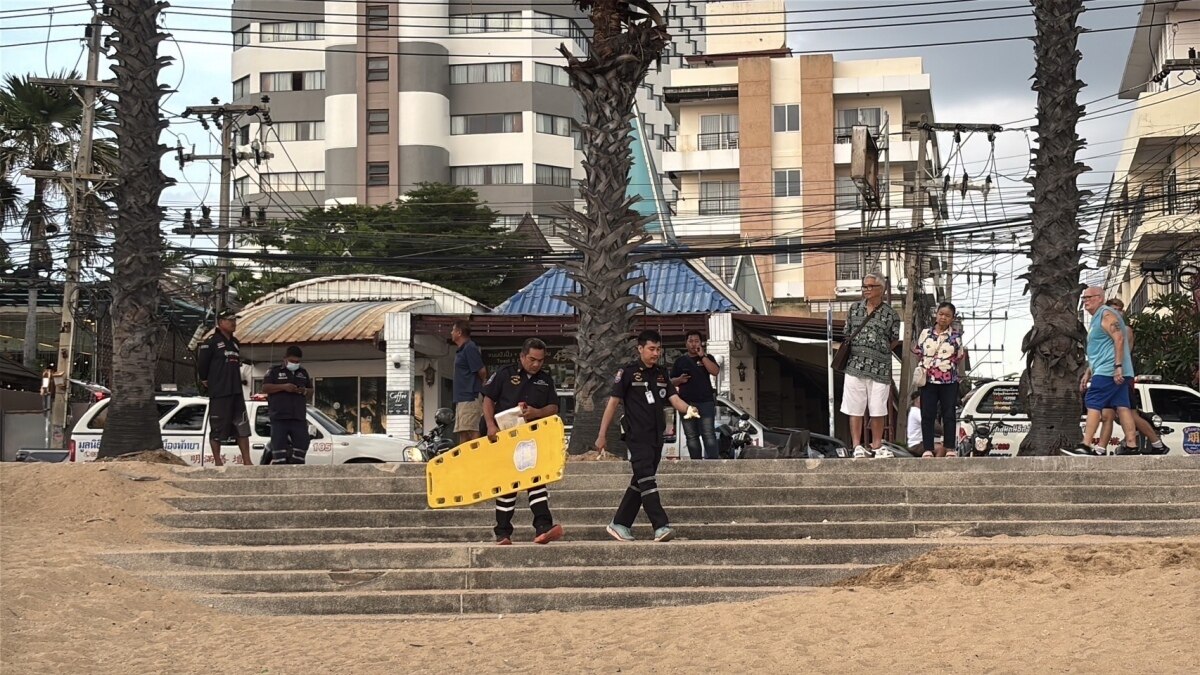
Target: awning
x,y
308,322
790,326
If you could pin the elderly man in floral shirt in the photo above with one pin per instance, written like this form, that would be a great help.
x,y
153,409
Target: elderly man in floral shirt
x,y
869,371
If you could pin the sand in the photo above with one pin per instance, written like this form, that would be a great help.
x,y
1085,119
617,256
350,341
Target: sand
x,y
1094,607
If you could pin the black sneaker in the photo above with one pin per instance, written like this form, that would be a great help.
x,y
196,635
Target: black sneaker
x,y
1161,450
1126,450
1081,450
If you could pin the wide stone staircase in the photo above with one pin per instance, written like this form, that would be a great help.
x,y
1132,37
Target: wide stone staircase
x,y
358,539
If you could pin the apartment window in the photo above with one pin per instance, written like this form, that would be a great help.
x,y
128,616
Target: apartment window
x,y
291,31
789,257
243,137
475,73
377,17
494,123
848,196
484,23
302,80
718,132
787,183
560,26
787,117
240,187
300,131
850,117
490,174
577,137
553,124
507,221
377,69
377,122
241,38
719,198
548,74
241,87
293,182
850,265
722,266
544,174
377,174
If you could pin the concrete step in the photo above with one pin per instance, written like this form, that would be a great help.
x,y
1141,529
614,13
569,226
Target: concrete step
x,y
509,601
800,513
1094,494
706,532
417,484
344,557
675,576
1172,462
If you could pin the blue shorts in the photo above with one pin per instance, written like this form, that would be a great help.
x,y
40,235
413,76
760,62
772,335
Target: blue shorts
x,y
1106,393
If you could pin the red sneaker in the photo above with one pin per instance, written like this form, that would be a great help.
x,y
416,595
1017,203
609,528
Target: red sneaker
x,y
553,534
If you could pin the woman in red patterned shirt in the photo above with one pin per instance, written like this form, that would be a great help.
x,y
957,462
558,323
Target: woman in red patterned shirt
x,y
939,350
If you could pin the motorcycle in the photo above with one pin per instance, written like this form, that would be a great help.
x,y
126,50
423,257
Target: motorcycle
x,y
979,442
436,441
731,440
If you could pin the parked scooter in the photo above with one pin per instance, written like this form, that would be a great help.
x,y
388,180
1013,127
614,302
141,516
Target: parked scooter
x,y
436,441
732,440
979,442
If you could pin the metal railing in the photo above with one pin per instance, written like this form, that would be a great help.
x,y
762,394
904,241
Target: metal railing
x,y
721,140
720,206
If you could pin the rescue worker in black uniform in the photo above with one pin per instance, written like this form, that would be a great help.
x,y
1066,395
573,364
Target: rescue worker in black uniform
x,y
644,388
219,364
287,386
525,385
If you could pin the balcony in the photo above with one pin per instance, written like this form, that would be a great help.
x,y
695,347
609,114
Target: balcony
x,y
687,226
703,152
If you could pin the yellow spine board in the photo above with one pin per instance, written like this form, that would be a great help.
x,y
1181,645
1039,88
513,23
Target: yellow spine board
x,y
521,458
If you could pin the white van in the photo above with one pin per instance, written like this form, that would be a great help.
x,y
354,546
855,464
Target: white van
x,y
997,403
184,422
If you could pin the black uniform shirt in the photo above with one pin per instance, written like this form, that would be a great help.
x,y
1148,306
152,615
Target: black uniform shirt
x,y
699,388
219,362
511,385
284,405
644,391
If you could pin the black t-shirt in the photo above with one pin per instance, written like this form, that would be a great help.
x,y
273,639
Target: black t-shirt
x,y
219,362
644,390
511,385
284,405
699,389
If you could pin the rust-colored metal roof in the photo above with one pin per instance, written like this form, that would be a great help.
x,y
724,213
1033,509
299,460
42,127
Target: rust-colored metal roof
x,y
307,322
487,326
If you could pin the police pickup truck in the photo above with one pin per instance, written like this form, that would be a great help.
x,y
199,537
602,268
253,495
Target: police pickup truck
x,y
997,404
184,422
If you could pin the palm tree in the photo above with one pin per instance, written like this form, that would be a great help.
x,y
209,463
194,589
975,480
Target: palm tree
x,y
1054,346
629,35
137,329
40,127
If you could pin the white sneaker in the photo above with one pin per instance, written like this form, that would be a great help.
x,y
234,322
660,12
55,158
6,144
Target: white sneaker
x,y
860,452
883,453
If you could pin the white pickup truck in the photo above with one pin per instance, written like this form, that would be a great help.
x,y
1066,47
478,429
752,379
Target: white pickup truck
x,y
184,422
996,404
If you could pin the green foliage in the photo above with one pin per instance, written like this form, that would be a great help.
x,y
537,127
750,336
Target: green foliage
x,y
1164,338
430,220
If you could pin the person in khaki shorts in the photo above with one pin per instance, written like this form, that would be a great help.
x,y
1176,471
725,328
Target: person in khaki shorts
x,y
469,376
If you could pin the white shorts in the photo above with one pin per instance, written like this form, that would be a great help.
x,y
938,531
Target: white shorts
x,y
860,395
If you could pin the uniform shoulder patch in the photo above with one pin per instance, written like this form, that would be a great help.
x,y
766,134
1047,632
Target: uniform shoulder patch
x,y
490,378
617,377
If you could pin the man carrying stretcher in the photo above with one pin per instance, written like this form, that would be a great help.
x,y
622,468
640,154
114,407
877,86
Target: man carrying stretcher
x,y
526,386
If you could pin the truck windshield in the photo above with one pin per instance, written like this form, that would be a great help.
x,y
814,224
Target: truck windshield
x,y
330,427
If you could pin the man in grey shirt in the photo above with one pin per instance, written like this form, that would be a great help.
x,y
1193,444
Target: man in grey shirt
x,y
869,372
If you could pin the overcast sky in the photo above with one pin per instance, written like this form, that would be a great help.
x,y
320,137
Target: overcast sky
x,y
981,83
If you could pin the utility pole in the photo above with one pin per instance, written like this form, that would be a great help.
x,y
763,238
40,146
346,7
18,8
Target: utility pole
x,y
81,179
227,117
911,266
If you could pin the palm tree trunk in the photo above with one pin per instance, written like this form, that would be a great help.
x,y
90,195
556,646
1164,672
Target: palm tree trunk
x,y
137,253
1054,346
628,37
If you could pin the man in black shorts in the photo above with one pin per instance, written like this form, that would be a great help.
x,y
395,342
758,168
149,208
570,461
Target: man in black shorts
x,y
287,386
219,364
524,385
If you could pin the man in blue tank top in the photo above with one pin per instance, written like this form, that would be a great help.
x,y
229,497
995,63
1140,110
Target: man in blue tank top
x,y
1109,365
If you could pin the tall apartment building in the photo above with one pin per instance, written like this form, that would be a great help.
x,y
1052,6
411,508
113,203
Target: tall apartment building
x,y
370,98
1152,214
763,155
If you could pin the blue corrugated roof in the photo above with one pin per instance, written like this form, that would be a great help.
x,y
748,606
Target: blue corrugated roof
x,y
671,287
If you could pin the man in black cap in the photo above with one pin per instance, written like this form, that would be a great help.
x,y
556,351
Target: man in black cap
x,y
287,386
524,385
219,364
